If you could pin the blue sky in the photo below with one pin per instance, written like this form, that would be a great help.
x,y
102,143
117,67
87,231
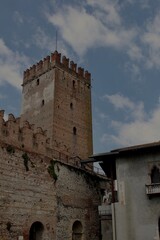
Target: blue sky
x,y
118,41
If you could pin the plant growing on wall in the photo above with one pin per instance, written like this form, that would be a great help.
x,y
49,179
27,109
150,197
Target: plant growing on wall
x,y
26,160
51,170
9,226
10,149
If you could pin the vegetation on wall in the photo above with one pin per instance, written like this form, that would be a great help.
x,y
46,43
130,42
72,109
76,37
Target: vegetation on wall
x,y
10,149
51,170
26,160
9,226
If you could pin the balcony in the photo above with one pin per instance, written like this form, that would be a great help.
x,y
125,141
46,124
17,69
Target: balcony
x,y
105,211
153,189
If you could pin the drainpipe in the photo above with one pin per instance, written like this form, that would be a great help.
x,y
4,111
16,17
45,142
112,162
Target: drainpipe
x,y
113,206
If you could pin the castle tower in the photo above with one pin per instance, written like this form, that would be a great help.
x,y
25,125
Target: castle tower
x,y
57,98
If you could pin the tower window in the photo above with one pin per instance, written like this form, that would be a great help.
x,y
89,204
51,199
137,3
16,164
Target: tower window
x,y
73,83
74,130
43,102
71,105
37,82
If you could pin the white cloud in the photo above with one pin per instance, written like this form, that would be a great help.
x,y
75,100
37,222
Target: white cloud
x,y
142,128
11,66
18,17
138,132
107,11
2,96
151,39
135,110
83,30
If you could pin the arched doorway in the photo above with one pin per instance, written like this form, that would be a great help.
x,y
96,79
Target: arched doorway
x,y
36,231
77,230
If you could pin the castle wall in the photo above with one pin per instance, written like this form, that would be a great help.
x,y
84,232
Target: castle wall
x,y
29,194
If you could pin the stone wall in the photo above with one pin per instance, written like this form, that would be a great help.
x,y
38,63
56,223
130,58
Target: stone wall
x,y
29,194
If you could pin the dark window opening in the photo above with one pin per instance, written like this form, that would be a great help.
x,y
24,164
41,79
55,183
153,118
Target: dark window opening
x,y
71,105
43,102
155,175
74,131
73,84
37,81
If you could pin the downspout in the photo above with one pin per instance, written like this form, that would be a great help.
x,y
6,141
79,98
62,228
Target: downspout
x,y
113,206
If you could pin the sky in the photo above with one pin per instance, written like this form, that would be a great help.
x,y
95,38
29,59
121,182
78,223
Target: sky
x,y
117,41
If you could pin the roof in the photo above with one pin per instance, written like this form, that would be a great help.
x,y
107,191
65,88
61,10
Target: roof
x,y
112,155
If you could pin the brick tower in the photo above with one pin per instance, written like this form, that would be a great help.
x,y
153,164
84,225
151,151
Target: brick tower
x,y
57,98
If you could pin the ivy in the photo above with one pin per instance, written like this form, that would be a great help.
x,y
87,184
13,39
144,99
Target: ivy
x,y
26,160
9,226
51,170
10,149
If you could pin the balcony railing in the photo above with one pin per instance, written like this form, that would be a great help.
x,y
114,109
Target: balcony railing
x,y
104,210
153,188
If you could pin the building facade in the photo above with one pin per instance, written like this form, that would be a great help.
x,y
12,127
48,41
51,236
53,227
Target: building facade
x,y
135,177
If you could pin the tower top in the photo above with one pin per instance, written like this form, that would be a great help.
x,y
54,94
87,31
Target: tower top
x,y
49,62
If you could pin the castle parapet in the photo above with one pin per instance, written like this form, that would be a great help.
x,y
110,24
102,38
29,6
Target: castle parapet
x,y
23,136
49,62
73,66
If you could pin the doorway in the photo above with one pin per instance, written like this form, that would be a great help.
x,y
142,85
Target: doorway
x,y
36,231
77,231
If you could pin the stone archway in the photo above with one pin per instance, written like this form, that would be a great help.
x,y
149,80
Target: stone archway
x,y
36,231
77,230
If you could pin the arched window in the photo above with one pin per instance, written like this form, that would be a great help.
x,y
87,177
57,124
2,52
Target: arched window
x,y
77,230
155,175
36,231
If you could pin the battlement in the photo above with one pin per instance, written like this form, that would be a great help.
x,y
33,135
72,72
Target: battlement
x,y
23,135
49,62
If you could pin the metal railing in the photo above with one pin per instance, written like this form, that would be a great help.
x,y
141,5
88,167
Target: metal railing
x,y
153,188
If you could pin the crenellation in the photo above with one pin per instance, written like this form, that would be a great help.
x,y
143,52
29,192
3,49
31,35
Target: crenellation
x,y
39,68
65,61
46,63
32,71
11,117
73,66
55,57
50,61
19,134
81,72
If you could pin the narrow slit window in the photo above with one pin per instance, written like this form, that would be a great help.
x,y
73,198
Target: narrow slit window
x,y
37,81
43,102
74,131
73,84
71,105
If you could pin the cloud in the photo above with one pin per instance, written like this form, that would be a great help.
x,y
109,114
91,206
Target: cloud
x,y
142,128
17,17
151,39
135,110
11,66
2,96
101,26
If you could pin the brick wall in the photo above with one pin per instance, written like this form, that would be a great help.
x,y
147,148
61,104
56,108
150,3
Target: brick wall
x,y
29,194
